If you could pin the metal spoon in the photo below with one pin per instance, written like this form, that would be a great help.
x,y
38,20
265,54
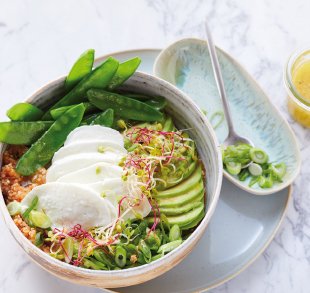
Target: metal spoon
x,y
232,137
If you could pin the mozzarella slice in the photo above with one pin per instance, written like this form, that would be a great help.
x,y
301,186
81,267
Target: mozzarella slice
x,y
96,146
69,204
94,173
142,210
78,162
94,132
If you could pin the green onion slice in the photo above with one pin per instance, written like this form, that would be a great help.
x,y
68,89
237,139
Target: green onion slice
x,y
258,156
32,206
255,169
278,170
233,168
14,208
40,219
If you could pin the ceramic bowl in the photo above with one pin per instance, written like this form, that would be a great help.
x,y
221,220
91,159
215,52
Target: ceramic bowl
x,y
186,115
187,65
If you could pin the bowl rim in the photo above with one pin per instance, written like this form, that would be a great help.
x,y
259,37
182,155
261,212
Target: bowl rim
x,y
259,192
28,246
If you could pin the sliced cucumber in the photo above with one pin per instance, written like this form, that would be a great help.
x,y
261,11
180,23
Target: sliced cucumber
x,y
173,211
185,219
193,194
195,222
182,187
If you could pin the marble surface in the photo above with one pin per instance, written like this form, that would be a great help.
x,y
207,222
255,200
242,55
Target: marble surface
x,y
39,40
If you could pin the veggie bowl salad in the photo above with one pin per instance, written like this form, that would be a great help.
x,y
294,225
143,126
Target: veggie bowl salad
x,y
102,179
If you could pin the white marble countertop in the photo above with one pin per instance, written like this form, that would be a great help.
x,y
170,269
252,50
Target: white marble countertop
x,y
39,40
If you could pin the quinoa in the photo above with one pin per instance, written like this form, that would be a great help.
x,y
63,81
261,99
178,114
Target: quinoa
x,y
29,232
15,186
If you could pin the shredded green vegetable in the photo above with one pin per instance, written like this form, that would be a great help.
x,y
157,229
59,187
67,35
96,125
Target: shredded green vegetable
x,y
251,163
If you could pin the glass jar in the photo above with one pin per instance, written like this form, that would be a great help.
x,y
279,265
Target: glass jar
x,y
297,82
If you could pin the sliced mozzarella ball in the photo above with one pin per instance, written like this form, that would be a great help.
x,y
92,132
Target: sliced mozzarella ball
x,y
141,210
96,146
78,162
94,132
69,204
94,173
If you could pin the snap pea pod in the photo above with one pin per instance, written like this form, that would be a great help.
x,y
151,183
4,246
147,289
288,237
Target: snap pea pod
x,y
123,106
24,112
80,68
104,119
42,151
124,71
22,132
159,103
98,78
56,113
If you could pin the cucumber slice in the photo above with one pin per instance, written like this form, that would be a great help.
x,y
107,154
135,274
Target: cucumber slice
x,y
175,181
195,222
182,187
183,220
192,195
173,211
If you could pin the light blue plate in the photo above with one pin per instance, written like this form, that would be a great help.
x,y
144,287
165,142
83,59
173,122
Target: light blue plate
x,y
187,65
241,228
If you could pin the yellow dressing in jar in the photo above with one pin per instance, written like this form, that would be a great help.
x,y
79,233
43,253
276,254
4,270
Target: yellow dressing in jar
x,y
297,80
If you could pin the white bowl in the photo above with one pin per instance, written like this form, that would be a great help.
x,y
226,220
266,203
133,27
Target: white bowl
x,y
187,115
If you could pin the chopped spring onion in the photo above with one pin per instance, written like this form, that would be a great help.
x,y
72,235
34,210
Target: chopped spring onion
x,y
254,180
255,169
278,170
120,256
265,182
169,246
39,219
68,246
258,156
244,174
39,239
14,208
233,168
32,206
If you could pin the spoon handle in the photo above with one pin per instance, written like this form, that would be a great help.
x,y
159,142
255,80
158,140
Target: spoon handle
x,y
219,80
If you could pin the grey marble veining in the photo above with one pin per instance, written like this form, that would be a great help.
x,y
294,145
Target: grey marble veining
x,y
39,40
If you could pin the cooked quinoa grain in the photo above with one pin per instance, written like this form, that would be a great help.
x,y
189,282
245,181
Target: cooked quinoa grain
x,y
16,187
13,185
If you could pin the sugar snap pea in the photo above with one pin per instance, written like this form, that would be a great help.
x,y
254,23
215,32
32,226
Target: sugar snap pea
x,y
98,78
56,113
80,68
106,118
123,106
157,103
22,132
124,71
42,151
24,112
